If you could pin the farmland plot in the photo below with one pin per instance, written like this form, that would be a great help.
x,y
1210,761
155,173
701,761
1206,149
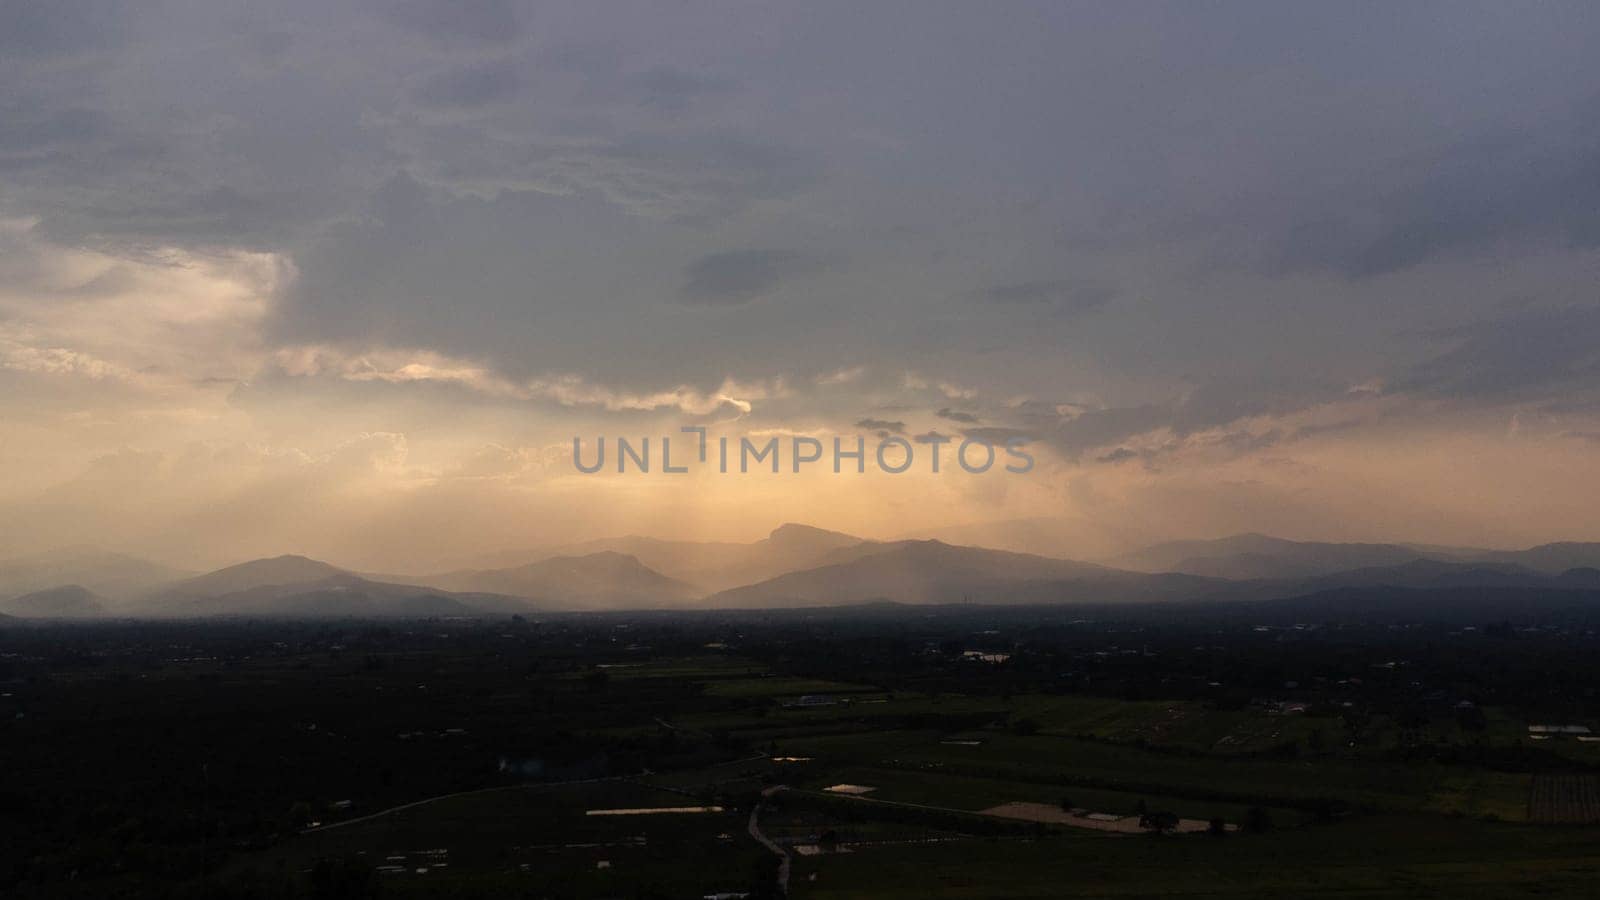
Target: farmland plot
x,y
1564,800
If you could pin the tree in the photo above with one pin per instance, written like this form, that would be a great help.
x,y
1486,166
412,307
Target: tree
x,y
342,879
299,815
1159,822
1257,820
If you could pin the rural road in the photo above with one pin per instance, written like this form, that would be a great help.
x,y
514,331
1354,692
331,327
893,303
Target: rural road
x,y
509,787
489,790
783,855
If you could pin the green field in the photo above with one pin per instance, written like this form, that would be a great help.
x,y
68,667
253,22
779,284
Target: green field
x,y
1381,857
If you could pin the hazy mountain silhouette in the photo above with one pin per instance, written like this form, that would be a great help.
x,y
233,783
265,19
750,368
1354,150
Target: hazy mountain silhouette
x,y
1057,536
1585,578
296,586
1430,573
102,572
69,601
1465,605
1258,556
798,565
1253,556
1551,558
936,572
279,571
606,579
335,596
715,566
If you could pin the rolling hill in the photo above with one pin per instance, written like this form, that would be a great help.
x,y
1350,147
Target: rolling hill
x,y
1549,558
602,580
914,572
717,566
1246,557
342,595
109,575
802,566
1257,556
275,572
936,572
66,602
299,587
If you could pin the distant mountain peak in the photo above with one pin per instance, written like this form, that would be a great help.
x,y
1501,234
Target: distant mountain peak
x,y
790,532
288,569
288,562
70,601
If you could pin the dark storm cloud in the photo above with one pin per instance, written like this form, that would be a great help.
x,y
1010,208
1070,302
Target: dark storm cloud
x,y
1121,454
1474,196
529,188
428,255
742,276
467,22
671,90
1207,406
470,85
1107,426
695,179
1070,296
882,425
998,435
216,212
1535,352
60,27
27,132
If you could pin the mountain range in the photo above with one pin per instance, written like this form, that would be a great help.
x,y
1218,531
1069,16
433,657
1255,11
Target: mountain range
x,y
605,579
803,566
719,566
1249,556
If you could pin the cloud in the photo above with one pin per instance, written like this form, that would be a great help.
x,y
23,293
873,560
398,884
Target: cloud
x,y
1067,296
1540,352
153,316
957,416
888,425
58,361
997,435
471,85
64,28
669,89
448,22
400,366
737,277
845,375
1474,195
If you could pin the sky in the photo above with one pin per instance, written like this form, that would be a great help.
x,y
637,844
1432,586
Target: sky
x,y
348,278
